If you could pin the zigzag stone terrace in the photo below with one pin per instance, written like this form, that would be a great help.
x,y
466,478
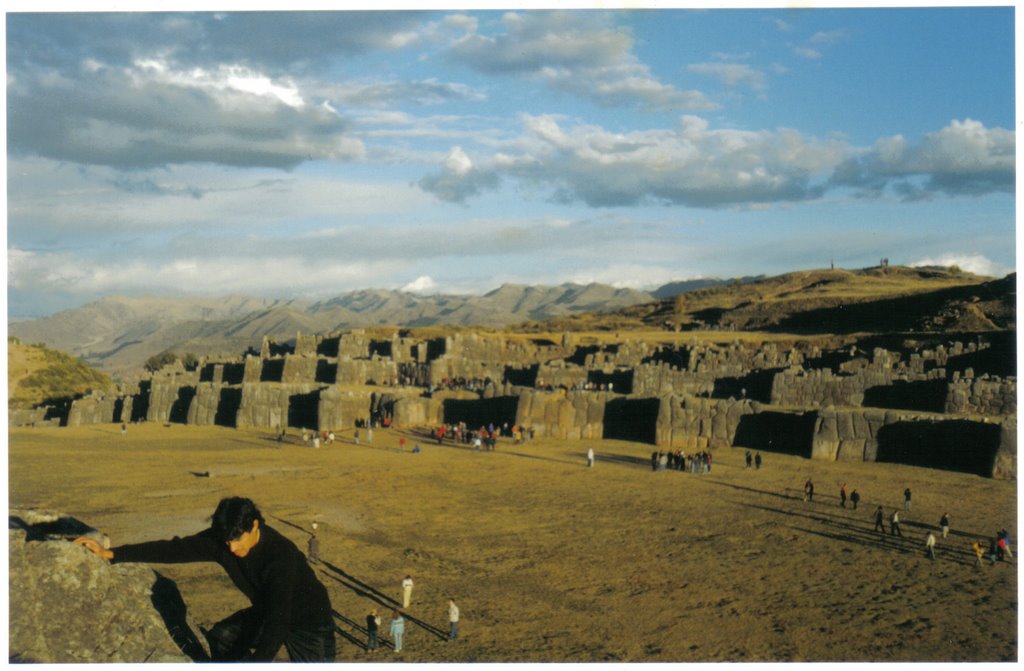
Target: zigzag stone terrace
x,y
953,406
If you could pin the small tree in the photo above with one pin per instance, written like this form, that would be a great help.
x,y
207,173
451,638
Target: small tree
x,y
190,361
158,361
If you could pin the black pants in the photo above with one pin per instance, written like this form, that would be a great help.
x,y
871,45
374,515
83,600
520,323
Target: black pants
x,y
233,638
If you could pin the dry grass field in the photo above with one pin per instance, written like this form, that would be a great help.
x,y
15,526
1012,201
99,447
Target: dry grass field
x,y
553,562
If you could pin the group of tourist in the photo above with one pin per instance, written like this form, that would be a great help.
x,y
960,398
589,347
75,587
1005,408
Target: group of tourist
x,y
998,547
678,460
453,383
484,438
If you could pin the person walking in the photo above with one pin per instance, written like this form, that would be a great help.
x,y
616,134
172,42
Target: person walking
x,y
854,499
757,461
356,436
749,458
978,552
407,591
809,491
906,499
397,629
372,630
453,620
590,457
944,524
842,495
1003,541
894,524
879,516
929,546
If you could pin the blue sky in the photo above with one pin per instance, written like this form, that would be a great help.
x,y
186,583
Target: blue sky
x,y
307,154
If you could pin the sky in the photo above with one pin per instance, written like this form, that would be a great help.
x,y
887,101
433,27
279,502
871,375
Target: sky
x,y
307,154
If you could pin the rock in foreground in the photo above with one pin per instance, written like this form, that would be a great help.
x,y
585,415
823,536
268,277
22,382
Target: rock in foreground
x,y
69,606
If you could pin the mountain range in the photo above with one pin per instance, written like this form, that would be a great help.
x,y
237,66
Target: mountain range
x,y
118,334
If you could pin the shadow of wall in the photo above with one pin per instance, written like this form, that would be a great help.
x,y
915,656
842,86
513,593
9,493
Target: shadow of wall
x,y
481,412
952,445
632,419
782,432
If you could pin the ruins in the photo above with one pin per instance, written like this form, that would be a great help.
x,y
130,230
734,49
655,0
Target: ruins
x,y
951,405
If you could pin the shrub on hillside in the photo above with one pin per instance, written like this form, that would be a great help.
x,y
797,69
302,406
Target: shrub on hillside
x,y
60,377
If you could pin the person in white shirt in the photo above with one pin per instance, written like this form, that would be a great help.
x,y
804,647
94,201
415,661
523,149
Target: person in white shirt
x,y
406,591
453,620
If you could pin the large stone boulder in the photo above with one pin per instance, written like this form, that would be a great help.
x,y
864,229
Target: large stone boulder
x,y
70,606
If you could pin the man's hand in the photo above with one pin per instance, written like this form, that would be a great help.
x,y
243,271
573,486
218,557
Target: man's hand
x,y
94,547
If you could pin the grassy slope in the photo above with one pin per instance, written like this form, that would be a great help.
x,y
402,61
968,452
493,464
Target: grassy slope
x,y
823,302
552,561
37,374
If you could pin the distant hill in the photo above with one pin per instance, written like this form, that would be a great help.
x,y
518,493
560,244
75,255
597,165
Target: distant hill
x,y
36,374
118,334
673,289
828,302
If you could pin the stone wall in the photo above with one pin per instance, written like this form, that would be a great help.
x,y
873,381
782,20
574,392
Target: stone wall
x,y
1005,466
699,423
796,387
924,439
983,396
343,409
267,405
94,409
663,379
558,374
169,399
30,417
366,371
454,368
850,434
206,405
417,411
560,414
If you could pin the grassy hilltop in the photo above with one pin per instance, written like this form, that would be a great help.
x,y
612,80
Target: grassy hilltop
x,y
37,374
824,302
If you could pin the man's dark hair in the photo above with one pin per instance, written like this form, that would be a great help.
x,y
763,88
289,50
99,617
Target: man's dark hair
x,y
234,516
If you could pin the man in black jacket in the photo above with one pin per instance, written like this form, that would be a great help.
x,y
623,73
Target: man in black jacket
x,y
290,606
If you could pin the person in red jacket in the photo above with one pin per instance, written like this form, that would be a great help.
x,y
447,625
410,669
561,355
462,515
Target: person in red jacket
x,y
290,606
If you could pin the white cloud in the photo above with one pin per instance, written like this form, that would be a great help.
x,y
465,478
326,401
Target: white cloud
x,y
421,284
577,53
806,52
696,165
387,93
827,37
640,276
732,74
690,164
270,274
972,263
153,114
964,158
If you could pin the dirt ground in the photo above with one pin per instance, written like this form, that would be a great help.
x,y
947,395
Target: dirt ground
x,y
550,561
